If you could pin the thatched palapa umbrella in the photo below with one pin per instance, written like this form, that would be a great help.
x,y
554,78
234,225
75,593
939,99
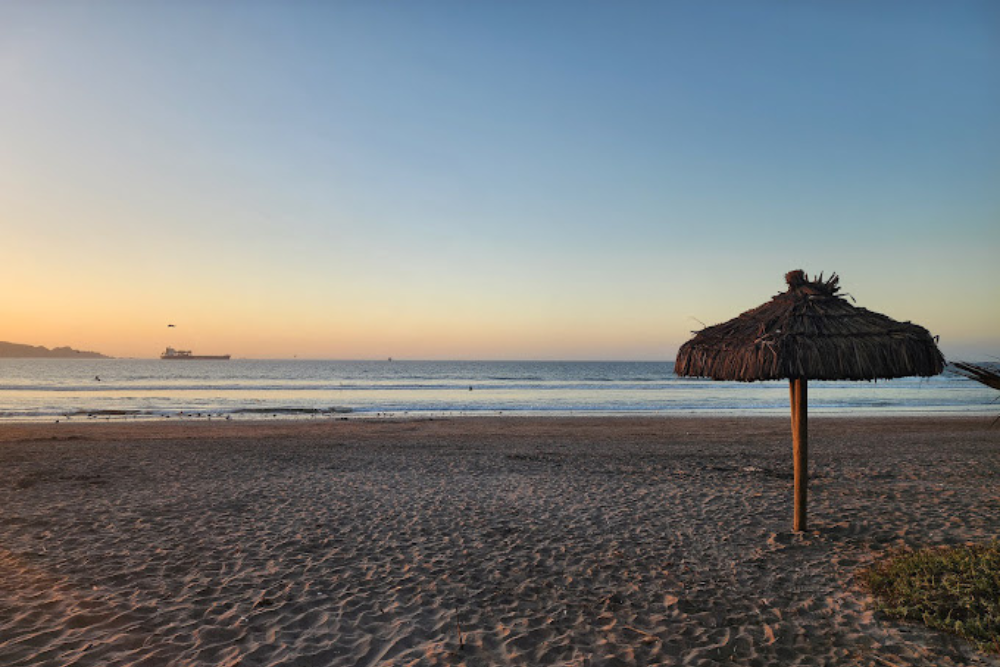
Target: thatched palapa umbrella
x,y
809,333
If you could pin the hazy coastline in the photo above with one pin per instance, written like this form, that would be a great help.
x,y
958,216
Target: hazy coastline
x,y
22,351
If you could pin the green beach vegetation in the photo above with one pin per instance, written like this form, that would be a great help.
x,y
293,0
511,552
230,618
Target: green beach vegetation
x,y
956,589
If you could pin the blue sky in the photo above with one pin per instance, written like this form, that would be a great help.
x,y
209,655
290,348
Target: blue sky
x,y
490,180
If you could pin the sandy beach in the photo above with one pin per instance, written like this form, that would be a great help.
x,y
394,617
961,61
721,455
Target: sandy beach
x,y
477,541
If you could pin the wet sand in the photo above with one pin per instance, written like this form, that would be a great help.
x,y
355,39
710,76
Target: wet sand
x,y
477,541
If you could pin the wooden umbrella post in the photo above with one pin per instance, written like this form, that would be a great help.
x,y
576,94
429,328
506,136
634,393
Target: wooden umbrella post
x,y
810,331
798,391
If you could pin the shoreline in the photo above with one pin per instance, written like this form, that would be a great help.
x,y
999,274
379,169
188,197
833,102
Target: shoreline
x,y
296,416
489,541
142,391
185,428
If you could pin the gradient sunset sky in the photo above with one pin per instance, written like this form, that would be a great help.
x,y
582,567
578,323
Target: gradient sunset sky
x,y
489,180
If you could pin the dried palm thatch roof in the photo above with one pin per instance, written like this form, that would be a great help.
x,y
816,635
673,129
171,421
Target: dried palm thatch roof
x,y
986,375
810,332
978,372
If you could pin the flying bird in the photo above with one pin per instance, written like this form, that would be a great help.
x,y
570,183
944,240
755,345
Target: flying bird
x,y
170,325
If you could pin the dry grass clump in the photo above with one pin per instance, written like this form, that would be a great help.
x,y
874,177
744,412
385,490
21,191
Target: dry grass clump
x,y
956,589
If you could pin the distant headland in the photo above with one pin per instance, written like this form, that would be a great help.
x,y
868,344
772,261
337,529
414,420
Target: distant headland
x,y
20,351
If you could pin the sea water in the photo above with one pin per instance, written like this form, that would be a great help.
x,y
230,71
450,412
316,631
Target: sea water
x,y
50,389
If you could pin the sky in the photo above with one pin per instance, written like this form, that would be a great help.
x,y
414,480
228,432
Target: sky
x,y
489,180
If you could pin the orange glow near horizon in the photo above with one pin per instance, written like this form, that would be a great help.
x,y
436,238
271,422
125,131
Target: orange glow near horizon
x,y
314,180
360,335
136,328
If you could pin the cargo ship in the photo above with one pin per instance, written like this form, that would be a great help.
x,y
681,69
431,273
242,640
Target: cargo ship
x,y
171,353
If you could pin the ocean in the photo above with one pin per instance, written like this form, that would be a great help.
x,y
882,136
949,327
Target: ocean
x,y
51,389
